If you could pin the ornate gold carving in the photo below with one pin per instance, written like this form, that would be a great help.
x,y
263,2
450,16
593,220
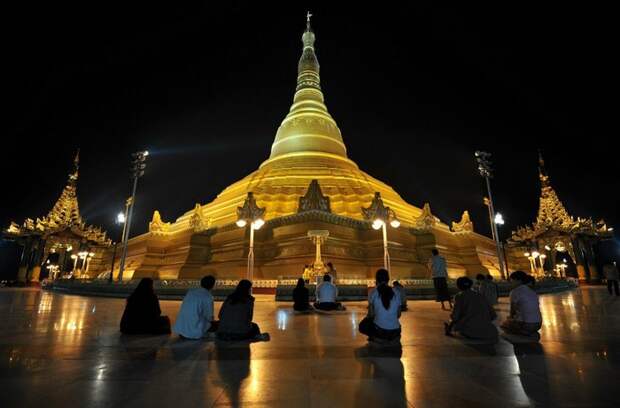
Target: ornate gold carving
x,y
465,225
198,222
426,221
553,219
157,226
314,199
64,215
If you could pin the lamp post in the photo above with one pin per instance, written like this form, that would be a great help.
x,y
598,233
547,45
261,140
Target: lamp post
x,y
484,167
380,216
120,219
250,215
137,170
499,221
532,263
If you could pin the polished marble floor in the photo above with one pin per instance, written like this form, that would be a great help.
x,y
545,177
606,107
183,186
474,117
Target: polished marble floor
x,y
61,350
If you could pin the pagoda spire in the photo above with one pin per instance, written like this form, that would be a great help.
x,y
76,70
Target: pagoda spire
x,y
66,211
308,129
551,211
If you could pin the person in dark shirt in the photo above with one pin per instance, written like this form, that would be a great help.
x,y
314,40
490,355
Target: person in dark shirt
x,y
301,297
236,316
142,314
472,316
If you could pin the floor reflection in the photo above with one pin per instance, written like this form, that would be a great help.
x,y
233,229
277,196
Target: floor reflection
x,y
383,366
53,346
233,368
533,372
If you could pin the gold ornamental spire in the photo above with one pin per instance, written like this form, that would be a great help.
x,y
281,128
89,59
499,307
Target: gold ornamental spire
x,y
308,129
551,211
66,211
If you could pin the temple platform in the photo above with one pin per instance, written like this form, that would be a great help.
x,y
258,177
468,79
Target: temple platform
x,y
61,350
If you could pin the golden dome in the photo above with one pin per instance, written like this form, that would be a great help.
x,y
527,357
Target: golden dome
x,y
308,145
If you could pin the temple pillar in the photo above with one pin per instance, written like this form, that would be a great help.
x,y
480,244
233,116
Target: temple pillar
x,y
22,272
36,270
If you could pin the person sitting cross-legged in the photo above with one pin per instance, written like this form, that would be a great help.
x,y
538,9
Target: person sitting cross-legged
x,y
142,314
236,316
525,318
472,315
382,325
326,294
301,297
195,318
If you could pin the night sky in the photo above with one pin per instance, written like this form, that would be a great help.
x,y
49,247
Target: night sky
x,y
204,87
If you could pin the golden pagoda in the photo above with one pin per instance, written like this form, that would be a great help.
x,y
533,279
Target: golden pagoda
x,y
556,231
61,232
307,183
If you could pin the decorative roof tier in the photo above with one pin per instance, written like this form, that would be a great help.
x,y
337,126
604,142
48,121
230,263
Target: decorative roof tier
x,y
64,216
553,218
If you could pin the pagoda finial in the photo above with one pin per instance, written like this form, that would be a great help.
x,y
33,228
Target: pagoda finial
x,y
542,172
76,166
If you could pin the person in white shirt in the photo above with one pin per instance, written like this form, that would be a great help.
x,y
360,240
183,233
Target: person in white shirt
x,y
439,273
525,317
326,295
195,318
384,303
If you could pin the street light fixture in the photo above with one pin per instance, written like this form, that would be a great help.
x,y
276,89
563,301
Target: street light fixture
x,y
121,217
484,167
138,164
252,215
380,216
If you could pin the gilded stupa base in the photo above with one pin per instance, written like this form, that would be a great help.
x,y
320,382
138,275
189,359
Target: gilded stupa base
x,y
282,249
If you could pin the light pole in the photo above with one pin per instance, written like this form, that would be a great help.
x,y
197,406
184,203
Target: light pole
x,y
137,170
250,214
484,167
499,221
380,216
120,219
532,263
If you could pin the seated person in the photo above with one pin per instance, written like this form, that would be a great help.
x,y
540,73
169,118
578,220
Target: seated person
x,y
236,316
384,305
486,288
142,314
403,295
301,297
525,318
326,294
472,316
195,318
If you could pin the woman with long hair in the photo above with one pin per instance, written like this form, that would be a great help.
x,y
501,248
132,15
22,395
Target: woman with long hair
x,y
381,324
301,297
236,316
142,314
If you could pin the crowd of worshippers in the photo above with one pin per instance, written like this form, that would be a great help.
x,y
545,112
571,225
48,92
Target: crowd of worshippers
x,y
472,312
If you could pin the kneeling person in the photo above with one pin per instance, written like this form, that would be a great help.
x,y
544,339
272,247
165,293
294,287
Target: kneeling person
x,y
326,294
195,319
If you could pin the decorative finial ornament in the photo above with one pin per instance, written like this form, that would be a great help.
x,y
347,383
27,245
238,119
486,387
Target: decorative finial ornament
x,y
542,172
76,166
308,15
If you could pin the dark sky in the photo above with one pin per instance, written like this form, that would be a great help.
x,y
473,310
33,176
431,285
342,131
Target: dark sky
x,y
204,87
